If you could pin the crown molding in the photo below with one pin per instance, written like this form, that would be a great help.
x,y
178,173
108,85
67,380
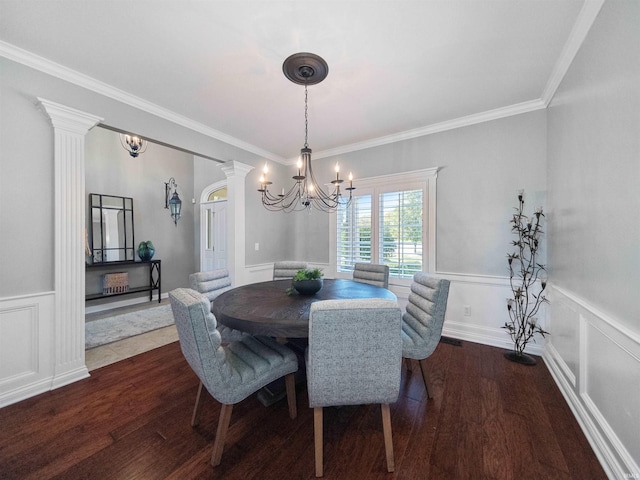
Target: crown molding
x,y
476,118
586,17
44,65
585,20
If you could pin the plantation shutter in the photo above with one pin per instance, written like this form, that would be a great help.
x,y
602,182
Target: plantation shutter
x,y
354,233
400,230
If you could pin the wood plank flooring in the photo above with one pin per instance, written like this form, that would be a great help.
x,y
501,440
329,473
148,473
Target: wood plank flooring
x,y
489,419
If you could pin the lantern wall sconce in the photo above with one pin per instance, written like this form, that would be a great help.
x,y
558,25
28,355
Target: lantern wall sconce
x,y
133,144
174,204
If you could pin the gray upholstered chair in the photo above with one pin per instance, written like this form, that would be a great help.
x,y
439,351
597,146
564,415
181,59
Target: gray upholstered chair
x,y
211,284
287,269
422,322
229,373
372,274
354,357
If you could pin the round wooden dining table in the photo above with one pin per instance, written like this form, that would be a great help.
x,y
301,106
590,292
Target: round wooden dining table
x,y
266,309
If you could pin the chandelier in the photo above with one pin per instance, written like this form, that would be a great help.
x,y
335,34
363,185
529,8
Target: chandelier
x,y
305,69
133,144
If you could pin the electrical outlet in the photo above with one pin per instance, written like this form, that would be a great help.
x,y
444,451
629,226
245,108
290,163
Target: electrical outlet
x,y
467,311
257,247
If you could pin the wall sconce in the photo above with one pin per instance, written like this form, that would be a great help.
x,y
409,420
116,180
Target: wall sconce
x,y
174,203
132,144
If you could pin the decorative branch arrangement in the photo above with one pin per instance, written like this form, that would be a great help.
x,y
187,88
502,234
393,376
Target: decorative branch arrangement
x,y
524,274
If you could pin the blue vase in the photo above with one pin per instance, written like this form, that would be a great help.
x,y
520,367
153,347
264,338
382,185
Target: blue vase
x,y
145,253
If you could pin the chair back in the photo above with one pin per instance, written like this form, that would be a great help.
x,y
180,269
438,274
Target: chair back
x,y
287,269
230,373
372,274
355,352
199,338
211,283
424,317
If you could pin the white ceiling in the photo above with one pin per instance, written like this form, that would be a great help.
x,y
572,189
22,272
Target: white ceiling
x,y
396,68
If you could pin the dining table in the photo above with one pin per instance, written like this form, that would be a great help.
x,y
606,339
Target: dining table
x,y
271,309
274,310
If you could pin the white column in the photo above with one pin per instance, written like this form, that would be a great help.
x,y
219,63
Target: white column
x,y
70,127
236,173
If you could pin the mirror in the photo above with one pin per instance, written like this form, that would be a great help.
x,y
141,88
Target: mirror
x,y
111,226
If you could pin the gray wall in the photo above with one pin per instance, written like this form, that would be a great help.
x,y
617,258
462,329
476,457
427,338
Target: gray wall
x,y
482,167
594,168
26,168
110,170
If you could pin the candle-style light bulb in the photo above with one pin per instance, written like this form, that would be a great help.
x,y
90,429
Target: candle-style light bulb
x,y
261,178
350,177
265,169
337,167
299,164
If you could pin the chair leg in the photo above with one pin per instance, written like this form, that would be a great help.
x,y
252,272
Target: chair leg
x,y
195,418
407,362
290,383
221,433
388,437
317,436
424,376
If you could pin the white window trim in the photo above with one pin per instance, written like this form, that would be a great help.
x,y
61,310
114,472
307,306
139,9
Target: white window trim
x,y
427,179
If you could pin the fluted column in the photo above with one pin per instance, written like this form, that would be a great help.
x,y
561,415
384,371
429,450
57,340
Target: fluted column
x,y
236,173
70,127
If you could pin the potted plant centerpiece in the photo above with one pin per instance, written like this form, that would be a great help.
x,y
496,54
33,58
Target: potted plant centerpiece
x,y
527,281
306,282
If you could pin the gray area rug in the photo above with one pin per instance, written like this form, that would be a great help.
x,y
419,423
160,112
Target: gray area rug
x,y
118,327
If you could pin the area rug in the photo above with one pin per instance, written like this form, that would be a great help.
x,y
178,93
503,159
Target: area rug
x,y
118,327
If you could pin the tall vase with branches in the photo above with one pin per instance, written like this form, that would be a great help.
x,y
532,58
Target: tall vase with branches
x,y
527,278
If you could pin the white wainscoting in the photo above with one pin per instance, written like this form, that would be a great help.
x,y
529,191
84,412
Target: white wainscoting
x,y
26,346
596,363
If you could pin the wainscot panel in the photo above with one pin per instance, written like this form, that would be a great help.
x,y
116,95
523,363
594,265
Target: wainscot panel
x,y
26,353
596,363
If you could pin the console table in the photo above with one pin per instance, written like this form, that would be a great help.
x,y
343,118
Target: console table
x,y
155,276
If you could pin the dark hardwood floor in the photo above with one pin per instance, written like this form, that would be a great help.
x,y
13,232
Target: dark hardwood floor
x,y
489,419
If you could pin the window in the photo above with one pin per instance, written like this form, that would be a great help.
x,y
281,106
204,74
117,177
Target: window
x,y
391,221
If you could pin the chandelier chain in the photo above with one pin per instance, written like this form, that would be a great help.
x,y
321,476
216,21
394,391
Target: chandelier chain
x,y
306,117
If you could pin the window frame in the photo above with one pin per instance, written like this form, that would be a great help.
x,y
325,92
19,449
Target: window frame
x,y
424,179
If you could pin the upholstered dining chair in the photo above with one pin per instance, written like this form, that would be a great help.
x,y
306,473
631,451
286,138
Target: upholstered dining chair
x,y
372,274
423,319
229,373
287,269
211,284
354,358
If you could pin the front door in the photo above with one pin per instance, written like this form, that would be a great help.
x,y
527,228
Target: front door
x,y
213,244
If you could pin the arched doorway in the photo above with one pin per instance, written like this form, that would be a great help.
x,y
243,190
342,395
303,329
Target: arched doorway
x,y
213,227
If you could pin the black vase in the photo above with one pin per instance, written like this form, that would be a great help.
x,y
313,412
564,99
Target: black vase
x,y
308,287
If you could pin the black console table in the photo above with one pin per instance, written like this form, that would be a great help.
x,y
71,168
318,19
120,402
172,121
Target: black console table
x,y
155,276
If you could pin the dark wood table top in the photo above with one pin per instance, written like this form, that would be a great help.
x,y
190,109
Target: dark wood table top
x,y
266,309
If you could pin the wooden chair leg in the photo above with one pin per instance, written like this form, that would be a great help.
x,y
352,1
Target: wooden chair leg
x,y
317,436
424,376
195,418
407,362
221,433
388,437
290,383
